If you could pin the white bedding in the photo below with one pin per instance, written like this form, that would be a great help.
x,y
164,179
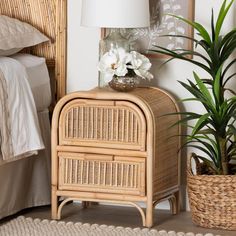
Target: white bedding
x,y
38,78
26,183
23,122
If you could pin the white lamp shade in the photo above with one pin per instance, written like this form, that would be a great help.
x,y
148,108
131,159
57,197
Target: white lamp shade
x,y
115,13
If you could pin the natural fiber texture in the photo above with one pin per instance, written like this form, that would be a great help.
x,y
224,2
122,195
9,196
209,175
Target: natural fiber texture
x,y
112,146
103,175
167,139
212,200
49,17
22,226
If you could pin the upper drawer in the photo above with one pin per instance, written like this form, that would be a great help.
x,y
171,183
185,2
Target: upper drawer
x,y
99,123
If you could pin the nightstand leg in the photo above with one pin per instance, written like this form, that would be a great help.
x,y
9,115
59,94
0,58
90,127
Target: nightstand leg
x,y
174,203
54,206
85,204
89,204
149,215
177,197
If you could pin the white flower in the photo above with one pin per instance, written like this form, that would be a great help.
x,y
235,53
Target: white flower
x,y
114,62
119,62
140,64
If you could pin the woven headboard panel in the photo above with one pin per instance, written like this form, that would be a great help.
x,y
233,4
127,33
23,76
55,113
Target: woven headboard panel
x,y
50,17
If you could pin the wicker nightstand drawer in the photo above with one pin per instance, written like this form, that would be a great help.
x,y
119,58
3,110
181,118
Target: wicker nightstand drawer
x,y
108,124
101,173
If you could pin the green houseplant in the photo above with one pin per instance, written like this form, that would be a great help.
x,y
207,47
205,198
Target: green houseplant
x,y
213,132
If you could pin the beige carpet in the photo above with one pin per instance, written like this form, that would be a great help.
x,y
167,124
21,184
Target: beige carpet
x,y
22,226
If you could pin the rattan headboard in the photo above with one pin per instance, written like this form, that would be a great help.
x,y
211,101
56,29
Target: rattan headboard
x,y
50,17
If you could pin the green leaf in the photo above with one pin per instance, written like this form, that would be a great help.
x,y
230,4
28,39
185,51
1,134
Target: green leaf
x,y
222,14
231,90
207,131
208,138
232,129
210,148
171,52
212,161
192,53
189,100
227,50
227,68
217,86
202,31
204,45
185,120
187,144
230,111
167,52
227,38
204,89
212,25
207,81
203,120
198,95
213,154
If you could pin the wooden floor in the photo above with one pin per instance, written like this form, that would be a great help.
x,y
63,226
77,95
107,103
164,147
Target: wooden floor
x,y
120,216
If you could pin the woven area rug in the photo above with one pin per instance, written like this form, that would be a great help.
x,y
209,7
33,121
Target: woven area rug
x,y
22,226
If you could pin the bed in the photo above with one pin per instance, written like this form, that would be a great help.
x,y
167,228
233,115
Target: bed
x,y
26,182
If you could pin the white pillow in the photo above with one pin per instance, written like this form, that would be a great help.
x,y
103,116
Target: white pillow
x,y
9,52
15,35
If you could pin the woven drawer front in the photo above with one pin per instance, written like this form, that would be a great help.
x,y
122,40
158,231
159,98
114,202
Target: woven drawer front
x,y
96,123
101,173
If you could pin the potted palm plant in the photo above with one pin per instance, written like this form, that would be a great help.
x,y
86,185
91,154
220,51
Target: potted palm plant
x,y
212,190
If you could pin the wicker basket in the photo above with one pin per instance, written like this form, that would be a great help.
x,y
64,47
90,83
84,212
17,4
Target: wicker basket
x,y
212,199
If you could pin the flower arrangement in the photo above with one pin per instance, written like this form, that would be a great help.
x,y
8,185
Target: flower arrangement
x,y
117,62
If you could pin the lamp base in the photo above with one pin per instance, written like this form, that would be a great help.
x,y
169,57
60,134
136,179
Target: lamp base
x,y
114,39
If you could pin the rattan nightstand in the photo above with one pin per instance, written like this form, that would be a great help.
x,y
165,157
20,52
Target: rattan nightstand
x,y
116,147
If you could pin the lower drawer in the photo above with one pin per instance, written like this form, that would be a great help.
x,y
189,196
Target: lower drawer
x,y
101,173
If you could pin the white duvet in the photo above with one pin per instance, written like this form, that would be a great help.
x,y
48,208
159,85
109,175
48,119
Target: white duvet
x,y
22,135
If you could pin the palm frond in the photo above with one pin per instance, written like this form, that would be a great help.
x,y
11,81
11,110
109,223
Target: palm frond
x,y
222,14
214,131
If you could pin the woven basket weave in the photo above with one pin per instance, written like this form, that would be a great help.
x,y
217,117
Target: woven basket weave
x,y
212,199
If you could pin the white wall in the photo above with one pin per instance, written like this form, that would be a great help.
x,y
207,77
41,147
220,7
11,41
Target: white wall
x,y
83,53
